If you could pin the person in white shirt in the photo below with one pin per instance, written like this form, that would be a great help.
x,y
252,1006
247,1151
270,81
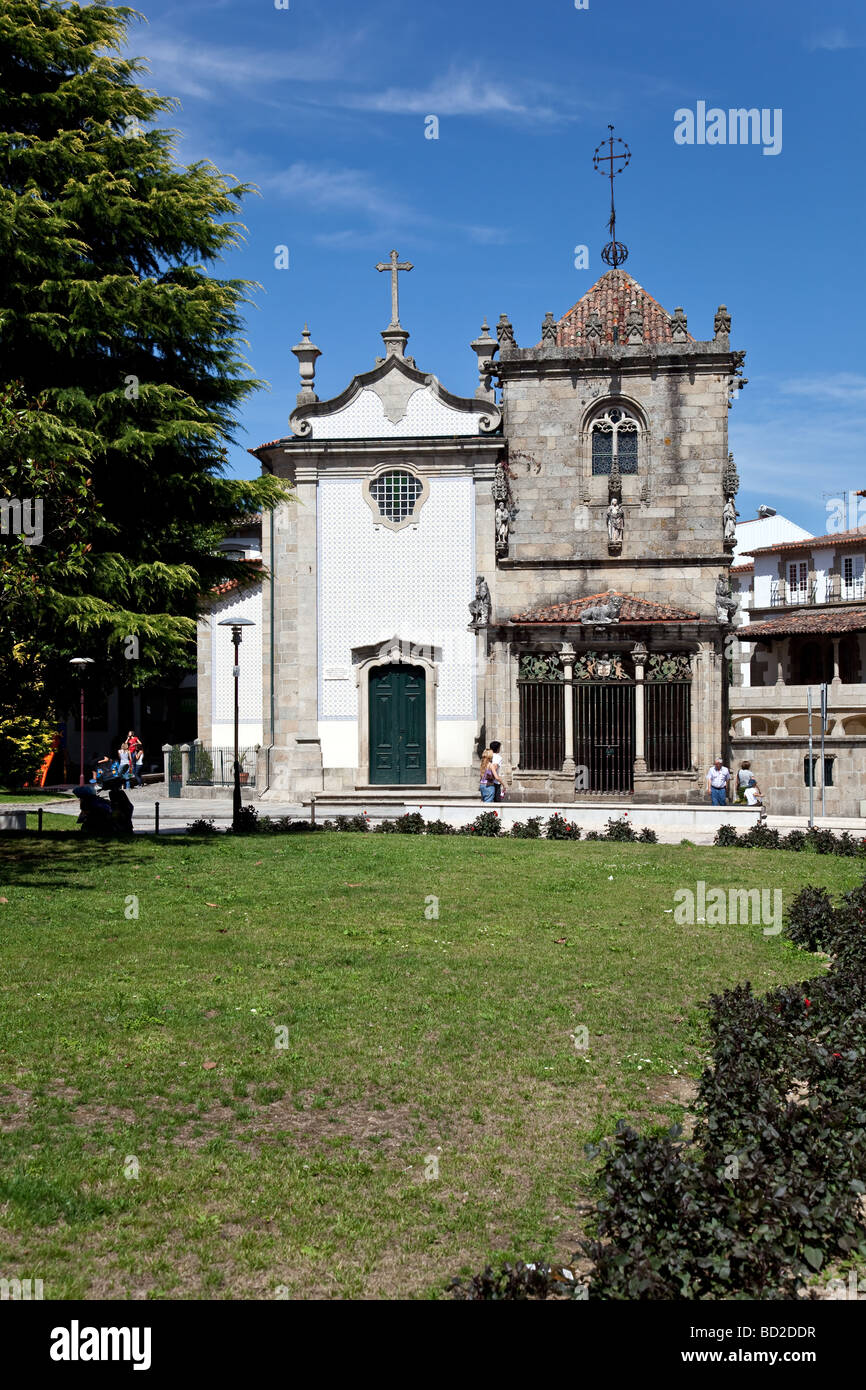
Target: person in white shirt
x,y
718,778
496,750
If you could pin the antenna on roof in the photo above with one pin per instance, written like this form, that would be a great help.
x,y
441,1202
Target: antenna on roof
x,y
614,253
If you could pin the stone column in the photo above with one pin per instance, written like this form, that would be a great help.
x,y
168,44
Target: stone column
x,y
837,679
568,765
639,656
166,763
184,764
782,660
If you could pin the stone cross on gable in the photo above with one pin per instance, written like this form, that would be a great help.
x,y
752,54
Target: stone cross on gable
x,y
395,265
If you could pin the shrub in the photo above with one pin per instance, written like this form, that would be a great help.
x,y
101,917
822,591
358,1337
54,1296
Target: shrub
x,y
349,824
648,836
486,824
847,845
386,827
519,1281
247,821
557,828
795,840
440,827
593,835
411,823
620,829
811,919
760,837
527,829
727,836
821,841
202,827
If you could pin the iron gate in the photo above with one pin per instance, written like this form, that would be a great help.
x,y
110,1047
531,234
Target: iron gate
x,y
604,728
668,726
542,725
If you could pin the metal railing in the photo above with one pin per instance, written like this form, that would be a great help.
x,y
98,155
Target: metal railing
x,y
214,767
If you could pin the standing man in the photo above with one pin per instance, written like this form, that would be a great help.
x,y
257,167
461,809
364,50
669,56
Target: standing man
x,y
718,778
496,750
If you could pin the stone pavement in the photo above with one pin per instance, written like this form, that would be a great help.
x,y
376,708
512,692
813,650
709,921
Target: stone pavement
x,y
672,824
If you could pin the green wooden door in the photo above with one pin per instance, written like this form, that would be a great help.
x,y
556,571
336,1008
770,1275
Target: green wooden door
x,y
398,725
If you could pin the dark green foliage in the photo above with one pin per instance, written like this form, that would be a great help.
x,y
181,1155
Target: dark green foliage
x,y
487,824
352,825
795,840
519,1281
440,827
527,829
411,823
203,827
811,919
760,837
726,835
620,829
121,355
557,828
648,836
247,822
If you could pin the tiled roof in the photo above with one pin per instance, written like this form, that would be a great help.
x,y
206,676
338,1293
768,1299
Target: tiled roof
x,y
829,621
742,569
271,444
229,584
634,610
611,298
811,542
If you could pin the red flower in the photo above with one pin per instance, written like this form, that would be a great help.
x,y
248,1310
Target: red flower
x,y
837,1054
808,1002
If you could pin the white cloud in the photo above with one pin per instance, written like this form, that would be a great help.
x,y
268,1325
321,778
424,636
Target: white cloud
x,y
843,386
833,41
185,67
464,92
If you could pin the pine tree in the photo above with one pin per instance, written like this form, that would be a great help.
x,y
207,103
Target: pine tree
x,y
120,353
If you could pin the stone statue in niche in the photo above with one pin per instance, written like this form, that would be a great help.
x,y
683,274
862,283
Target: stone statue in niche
x,y
615,525
726,606
503,527
479,608
729,519
606,612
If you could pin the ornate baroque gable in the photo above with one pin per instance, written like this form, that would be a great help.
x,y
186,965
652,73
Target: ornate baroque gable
x,y
395,400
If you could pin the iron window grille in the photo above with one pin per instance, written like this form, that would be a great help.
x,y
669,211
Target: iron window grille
x,y
396,494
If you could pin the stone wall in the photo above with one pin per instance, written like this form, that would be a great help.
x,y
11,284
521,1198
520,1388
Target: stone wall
x,y
777,764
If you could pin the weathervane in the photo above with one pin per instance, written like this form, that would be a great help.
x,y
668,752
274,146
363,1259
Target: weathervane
x,y
615,253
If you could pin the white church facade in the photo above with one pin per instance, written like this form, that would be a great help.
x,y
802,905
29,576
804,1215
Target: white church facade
x,y
549,568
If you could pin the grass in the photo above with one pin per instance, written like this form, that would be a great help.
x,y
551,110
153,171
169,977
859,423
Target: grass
x,y
159,1143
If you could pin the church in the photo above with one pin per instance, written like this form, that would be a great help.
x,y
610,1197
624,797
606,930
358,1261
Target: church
x,y
545,563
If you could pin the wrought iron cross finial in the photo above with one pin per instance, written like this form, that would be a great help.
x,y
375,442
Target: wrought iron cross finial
x,y
394,265
614,253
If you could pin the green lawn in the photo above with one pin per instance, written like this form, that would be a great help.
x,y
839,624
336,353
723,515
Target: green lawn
x,y
409,1039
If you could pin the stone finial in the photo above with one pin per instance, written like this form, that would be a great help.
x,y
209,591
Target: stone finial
x,y
505,332
679,325
730,478
484,347
306,353
593,329
722,322
614,481
634,325
548,329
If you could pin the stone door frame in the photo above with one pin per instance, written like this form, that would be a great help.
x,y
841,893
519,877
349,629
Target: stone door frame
x,y
398,654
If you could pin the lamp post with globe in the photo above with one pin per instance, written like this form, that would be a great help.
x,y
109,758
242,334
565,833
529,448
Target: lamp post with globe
x,y
236,624
81,663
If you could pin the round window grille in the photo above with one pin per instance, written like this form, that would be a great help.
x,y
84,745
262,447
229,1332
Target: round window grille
x,y
395,494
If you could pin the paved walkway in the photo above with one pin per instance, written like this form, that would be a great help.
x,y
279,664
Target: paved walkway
x,y
176,813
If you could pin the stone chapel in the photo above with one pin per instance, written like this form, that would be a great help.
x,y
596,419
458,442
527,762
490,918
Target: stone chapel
x,y
545,563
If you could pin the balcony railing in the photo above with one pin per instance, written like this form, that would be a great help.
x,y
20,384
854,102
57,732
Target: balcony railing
x,y
831,589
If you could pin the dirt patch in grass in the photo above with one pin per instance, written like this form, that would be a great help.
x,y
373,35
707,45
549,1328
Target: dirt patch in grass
x,y
14,1109
88,1116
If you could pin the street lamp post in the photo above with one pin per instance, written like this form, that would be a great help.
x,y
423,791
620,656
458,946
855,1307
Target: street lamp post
x,y
81,662
236,624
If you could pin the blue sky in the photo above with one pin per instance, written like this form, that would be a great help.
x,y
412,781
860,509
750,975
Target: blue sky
x,y
323,106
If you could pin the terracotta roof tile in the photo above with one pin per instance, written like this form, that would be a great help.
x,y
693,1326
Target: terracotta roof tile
x,y
742,569
810,542
816,620
611,298
634,610
229,584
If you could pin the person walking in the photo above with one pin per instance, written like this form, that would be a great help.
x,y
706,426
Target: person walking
x,y
718,778
499,787
488,777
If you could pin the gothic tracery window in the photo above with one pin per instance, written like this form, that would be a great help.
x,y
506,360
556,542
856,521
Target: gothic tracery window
x,y
614,435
